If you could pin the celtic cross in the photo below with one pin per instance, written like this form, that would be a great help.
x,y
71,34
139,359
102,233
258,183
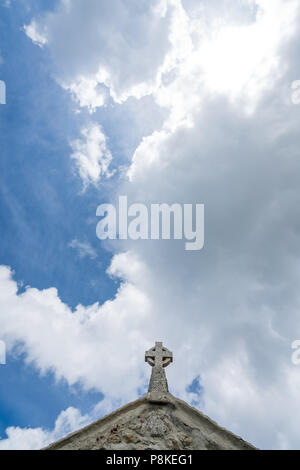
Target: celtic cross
x,y
158,358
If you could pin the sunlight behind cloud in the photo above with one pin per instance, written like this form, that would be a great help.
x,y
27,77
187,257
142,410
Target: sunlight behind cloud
x,y
242,60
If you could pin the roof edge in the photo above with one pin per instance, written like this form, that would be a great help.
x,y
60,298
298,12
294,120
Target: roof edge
x,y
192,410
102,420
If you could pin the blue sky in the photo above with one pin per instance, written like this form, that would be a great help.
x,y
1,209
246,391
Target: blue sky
x,y
182,101
39,212
42,208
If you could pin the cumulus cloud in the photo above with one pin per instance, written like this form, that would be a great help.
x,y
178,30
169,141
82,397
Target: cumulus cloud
x,y
127,50
122,44
238,60
86,345
34,34
6,3
37,438
226,147
91,155
88,92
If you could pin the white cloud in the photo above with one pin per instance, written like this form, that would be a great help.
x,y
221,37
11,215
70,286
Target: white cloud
x,y
122,45
37,438
88,93
234,305
238,60
34,34
84,249
91,155
6,3
103,343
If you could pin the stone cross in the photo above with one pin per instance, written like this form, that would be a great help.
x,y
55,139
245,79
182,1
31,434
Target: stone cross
x,y
158,358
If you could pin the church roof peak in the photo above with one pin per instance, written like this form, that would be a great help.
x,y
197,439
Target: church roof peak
x,y
158,358
157,421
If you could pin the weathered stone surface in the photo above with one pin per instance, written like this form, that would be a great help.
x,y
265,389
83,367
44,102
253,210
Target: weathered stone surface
x,y
143,424
158,357
158,421
131,438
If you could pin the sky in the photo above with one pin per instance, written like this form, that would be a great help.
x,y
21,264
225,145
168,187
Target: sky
x,y
164,101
